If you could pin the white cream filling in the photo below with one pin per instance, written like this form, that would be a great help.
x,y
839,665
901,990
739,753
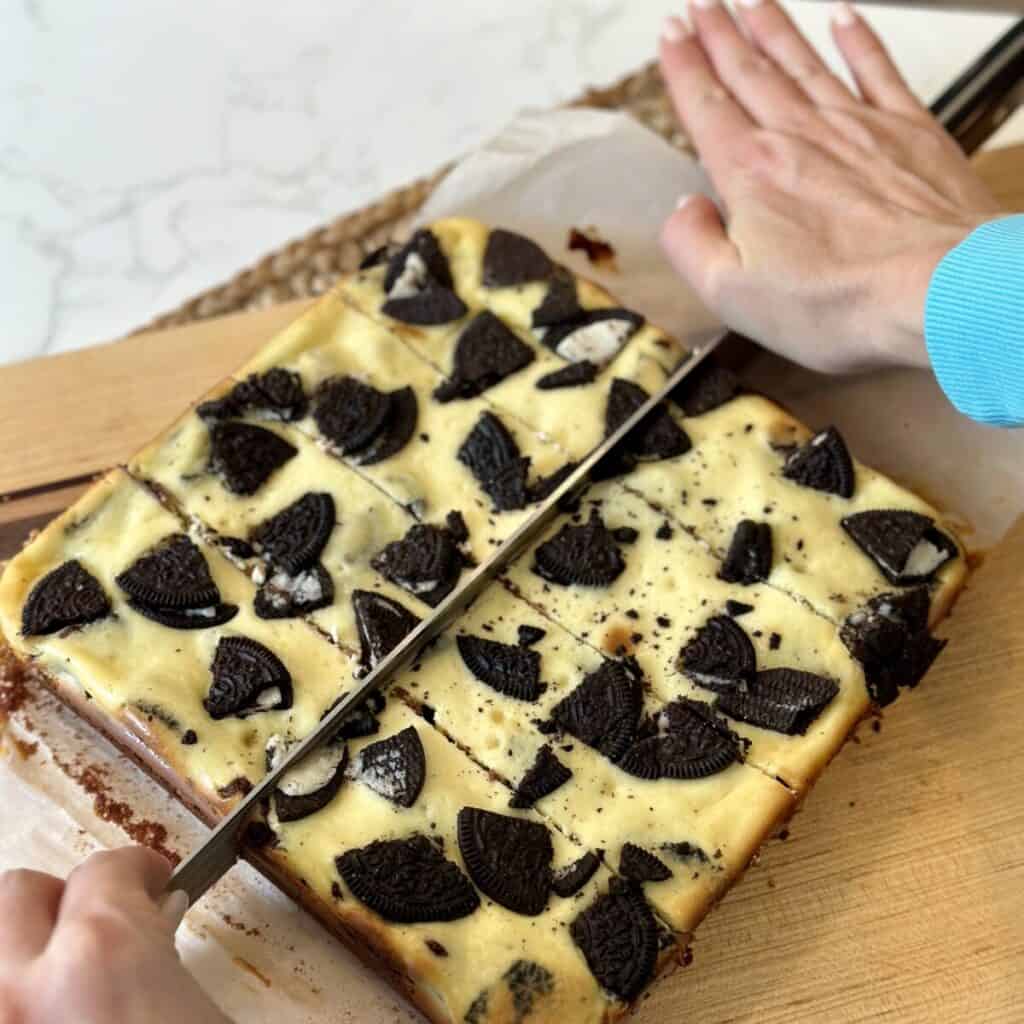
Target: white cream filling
x,y
313,773
302,589
412,278
201,613
597,342
924,559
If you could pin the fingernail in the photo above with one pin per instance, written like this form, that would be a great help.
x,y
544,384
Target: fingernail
x,y
843,14
173,907
675,29
705,3
751,3
683,200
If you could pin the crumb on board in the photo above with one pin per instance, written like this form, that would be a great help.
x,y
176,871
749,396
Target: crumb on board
x,y
587,240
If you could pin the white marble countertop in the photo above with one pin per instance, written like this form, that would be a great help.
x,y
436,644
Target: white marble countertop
x,y
150,150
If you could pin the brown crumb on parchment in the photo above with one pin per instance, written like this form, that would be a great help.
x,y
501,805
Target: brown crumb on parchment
x,y
593,246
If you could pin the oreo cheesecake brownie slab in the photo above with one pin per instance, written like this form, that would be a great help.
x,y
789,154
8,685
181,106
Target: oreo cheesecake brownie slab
x,y
155,634
660,788
631,583
542,344
783,504
377,405
417,855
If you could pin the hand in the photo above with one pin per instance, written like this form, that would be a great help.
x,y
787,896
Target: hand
x,y
95,949
836,208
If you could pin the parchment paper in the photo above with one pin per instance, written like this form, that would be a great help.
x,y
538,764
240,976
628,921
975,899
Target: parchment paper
x,y
259,956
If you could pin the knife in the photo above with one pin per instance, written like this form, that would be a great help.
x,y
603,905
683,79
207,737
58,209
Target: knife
x,y
966,109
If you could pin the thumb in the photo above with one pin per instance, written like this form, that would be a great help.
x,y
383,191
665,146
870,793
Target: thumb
x,y
695,242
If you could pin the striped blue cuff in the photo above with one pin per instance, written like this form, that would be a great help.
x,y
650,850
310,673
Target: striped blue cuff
x,y
974,323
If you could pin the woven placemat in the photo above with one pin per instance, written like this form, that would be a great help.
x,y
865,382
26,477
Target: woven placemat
x,y
309,266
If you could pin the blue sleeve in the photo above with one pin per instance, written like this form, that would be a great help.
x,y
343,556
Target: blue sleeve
x,y
974,323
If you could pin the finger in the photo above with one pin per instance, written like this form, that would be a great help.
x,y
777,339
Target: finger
x,y
695,242
771,97
131,878
29,901
775,34
877,77
715,123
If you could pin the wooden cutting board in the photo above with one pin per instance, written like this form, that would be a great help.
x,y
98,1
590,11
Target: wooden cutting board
x,y
899,891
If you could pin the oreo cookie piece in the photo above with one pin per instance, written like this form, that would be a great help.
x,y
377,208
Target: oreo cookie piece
x,y
407,881
618,936
394,768
530,635
246,678
66,596
890,638
596,335
687,740
641,865
906,546
491,454
294,538
569,880
285,595
419,262
586,555
429,308
511,259
508,859
362,720
658,437
749,558
781,699
560,304
603,710
382,623
485,354
377,257
397,430
511,670
738,608
574,375
426,562
705,388
720,656
545,486
276,394
543,777
823,463
363,423
246,456
311,785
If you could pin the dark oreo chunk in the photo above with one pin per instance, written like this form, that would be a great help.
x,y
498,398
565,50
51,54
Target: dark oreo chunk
x,y
277,394
749,558
569,880
560,304
511,259
376,257
511,670
641,865
432,264
572,376
596,335
689,742
407,881
66,596
545,486
890,638
530,635
293,538
382,624
738,608
426,562
618,936
658,437
172,574
781,699
823,463
720,656
350,413
491,454
509,859
906,546
313,784
284,595
360,721
186,618
246,677
587,555
527,981
544,776
427,308
603,710
397,430
394,768
486,353
245,456
705,388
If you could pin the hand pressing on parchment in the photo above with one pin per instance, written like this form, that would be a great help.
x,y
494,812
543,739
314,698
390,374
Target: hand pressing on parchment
x,y
836,207
97,948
